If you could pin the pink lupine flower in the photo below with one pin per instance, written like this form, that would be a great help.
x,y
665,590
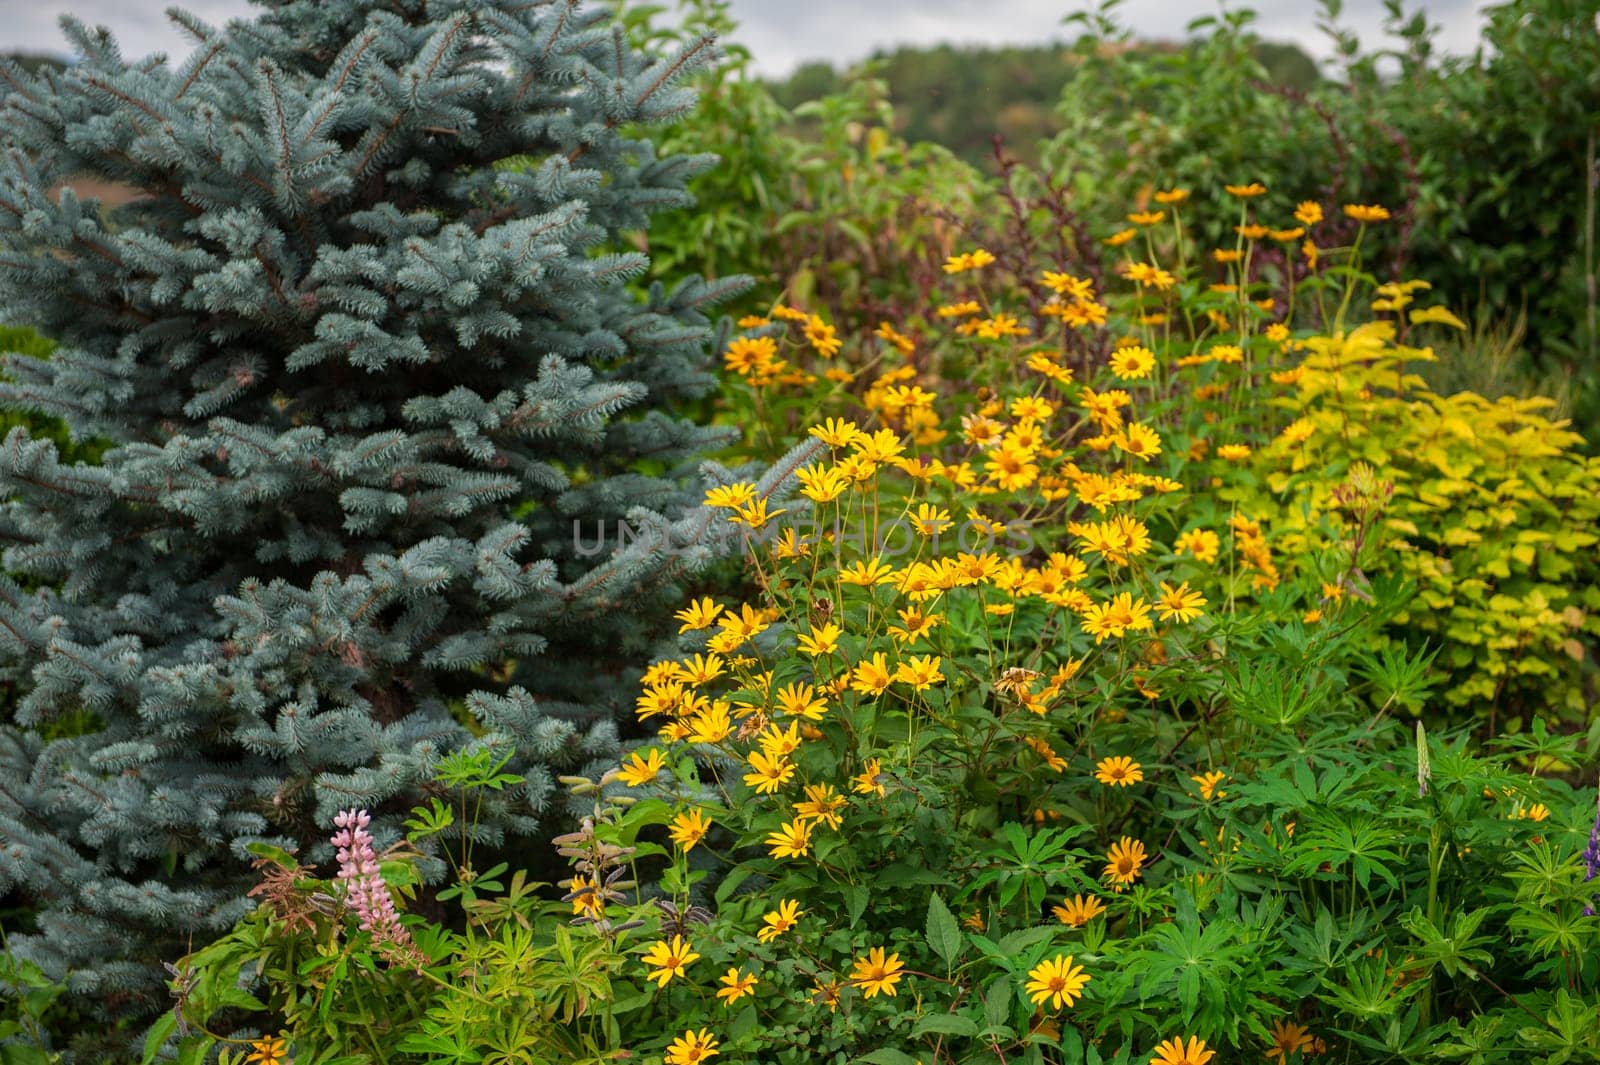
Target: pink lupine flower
x,y
366,892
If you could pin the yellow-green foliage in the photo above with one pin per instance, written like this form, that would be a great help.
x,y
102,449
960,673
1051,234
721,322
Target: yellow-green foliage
x,y
1493,515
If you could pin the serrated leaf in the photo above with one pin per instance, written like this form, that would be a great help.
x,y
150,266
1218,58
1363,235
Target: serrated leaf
x,y
945,1024
856,898
997,1002
1014,943
944,935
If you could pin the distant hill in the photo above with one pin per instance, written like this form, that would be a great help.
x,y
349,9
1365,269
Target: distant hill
x,y
31,62
961,96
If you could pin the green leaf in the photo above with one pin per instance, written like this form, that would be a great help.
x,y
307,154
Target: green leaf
x,y
856,898
743,1024
1014,943
944,935
997,1002
159,1032
887,1056
277,855
945,1024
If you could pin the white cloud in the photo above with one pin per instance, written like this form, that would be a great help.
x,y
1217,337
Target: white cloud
x,y
781,34
140,26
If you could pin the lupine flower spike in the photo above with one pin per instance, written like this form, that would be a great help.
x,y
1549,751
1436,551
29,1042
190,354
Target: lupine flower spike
x,y
366,892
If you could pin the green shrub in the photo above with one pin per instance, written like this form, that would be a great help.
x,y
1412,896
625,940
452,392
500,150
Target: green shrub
x,y
1486,158
1493,517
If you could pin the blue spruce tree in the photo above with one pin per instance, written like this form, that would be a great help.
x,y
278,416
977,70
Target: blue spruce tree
x,y
361,380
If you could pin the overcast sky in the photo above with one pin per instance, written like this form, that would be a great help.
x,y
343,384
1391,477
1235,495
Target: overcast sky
x,y
784,33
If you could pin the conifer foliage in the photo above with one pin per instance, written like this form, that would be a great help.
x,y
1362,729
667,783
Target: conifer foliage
x,y
361,378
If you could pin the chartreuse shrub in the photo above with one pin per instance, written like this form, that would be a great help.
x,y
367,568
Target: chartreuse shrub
x,y
1491,515
1026,744
358,384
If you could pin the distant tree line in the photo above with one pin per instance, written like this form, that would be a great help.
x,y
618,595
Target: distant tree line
x,y
962,96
